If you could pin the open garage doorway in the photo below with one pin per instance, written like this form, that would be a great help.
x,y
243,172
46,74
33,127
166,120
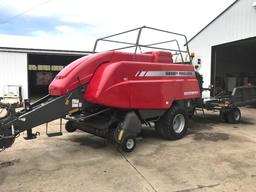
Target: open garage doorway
x,y
42,68
233,64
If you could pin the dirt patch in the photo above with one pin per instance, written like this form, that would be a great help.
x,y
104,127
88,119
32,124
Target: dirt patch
x,y
5,164
211,136
198,187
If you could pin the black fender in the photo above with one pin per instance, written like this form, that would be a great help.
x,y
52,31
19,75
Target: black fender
x,y
130,126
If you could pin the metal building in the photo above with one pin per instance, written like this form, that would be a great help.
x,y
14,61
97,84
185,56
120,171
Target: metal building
x,y
33,69
227,47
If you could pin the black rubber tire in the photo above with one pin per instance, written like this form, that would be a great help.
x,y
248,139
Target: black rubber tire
x,y
126,144
165,125
69,126
159,129
234,115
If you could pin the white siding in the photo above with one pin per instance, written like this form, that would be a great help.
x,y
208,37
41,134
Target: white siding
x,y
14,71
239,22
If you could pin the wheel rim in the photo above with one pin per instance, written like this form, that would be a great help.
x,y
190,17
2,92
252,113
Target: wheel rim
x,y
130,143
178,123
237,115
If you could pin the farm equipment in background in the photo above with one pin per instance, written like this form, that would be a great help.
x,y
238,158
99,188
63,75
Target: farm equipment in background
x,y
12,94
112,93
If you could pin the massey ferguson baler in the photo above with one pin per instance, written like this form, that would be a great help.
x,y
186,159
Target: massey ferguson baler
x,y
111,94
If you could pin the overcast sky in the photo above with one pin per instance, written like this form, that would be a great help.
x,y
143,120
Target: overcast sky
x,y
74,25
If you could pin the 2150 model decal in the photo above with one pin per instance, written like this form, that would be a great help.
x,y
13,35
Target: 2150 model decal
x,y
189,93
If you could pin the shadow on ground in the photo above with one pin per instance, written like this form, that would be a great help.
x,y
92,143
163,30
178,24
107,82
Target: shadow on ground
x,y
90,141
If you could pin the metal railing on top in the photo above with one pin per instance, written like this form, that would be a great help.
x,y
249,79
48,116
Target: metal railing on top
x,y
137,44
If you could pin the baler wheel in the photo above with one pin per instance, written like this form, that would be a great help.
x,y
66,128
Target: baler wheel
x,y
173,124
70,127
128,143
234,115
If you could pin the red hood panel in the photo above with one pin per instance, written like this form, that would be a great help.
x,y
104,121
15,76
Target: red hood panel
x,y
77,73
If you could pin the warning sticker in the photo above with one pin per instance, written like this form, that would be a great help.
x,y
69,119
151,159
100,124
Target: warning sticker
x,y
75,102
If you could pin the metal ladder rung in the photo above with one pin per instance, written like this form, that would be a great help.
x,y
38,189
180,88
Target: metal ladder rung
x,y
54,134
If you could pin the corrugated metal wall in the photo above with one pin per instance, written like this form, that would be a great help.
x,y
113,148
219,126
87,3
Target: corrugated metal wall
x,y
238,22
14,71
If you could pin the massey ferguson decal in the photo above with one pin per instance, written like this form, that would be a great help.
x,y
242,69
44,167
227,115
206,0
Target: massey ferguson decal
x,y
165,73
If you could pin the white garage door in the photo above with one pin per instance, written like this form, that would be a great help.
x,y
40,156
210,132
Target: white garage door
x,y
14,71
